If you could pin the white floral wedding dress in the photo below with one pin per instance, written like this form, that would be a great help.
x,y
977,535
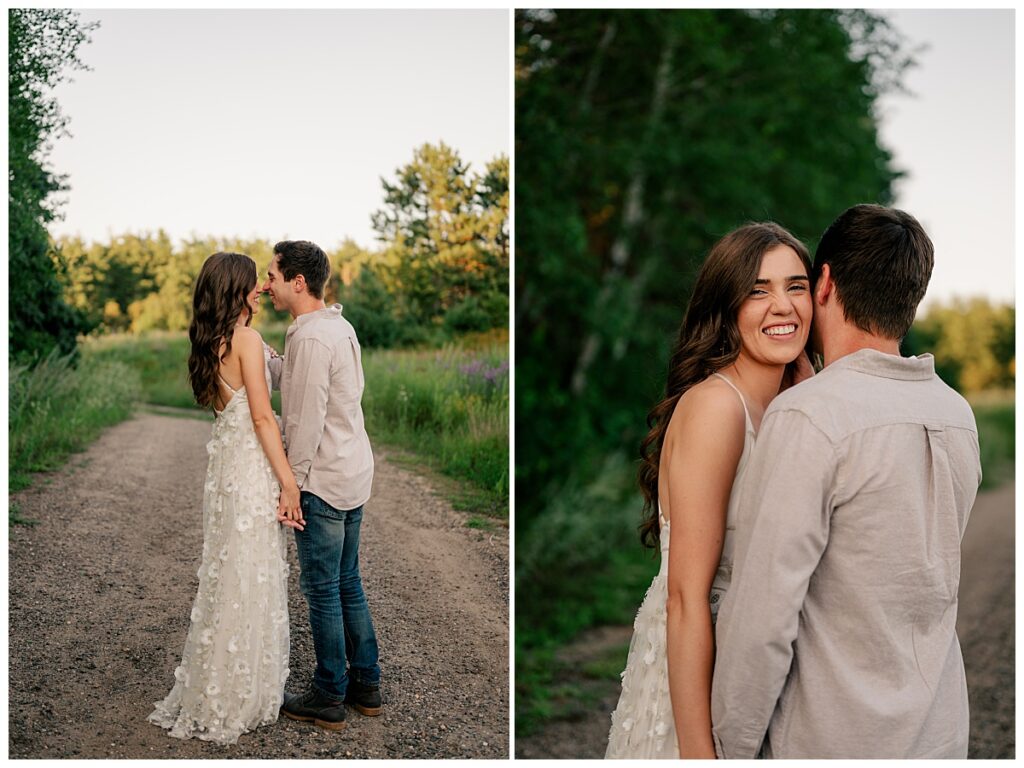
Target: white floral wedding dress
x,y
235,663
642,723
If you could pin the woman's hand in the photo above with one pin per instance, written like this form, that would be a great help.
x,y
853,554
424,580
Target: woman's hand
x,y
289,507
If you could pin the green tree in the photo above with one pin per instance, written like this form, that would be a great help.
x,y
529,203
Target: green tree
x,y
445,233
972,341
104,281
169,307
42,47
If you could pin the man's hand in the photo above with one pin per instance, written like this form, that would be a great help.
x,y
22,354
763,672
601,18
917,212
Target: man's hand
x,y
286,521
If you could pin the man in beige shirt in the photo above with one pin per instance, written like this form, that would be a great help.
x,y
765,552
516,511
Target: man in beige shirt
x,y
321,383
837,637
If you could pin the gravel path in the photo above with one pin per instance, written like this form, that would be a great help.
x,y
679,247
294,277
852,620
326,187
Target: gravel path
x,y
985,626
102,586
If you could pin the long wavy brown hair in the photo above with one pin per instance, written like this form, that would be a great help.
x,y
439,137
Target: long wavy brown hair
x,y
709,339
217,301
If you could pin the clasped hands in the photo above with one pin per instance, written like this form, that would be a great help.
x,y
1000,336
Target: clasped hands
x,y
289,508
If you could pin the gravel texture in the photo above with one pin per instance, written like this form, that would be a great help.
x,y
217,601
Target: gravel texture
x,y
101,588
985,626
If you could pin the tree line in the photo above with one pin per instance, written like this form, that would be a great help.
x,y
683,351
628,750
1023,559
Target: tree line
x,y
973,342
440,268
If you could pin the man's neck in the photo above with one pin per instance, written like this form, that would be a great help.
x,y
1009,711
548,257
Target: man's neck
x,y
304,307
848,339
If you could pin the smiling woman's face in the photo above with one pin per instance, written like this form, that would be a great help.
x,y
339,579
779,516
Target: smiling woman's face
x,y
776,317
253,297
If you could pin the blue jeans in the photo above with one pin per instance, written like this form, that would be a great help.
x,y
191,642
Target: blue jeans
x,y
342,628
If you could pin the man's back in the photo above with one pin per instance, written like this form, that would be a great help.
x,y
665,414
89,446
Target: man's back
x,y
890,461
321,391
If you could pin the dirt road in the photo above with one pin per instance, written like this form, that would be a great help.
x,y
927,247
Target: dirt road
x,y
101,588
985,625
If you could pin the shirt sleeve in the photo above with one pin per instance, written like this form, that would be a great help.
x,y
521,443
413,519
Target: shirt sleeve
x,y
307,408
275,364
782,529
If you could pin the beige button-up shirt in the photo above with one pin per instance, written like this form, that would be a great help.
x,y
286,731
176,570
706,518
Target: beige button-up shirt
x,y
837,637
321,383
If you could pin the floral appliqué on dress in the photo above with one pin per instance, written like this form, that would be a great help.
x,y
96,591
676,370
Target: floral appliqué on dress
x,y
235,662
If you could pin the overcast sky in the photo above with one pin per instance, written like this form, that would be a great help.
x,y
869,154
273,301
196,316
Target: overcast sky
x,y
272,124
955,140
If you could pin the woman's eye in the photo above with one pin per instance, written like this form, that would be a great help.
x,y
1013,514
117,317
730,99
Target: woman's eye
x,y
759,292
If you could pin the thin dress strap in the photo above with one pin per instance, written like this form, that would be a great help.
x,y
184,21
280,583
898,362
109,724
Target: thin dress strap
x,y
746,413
222,381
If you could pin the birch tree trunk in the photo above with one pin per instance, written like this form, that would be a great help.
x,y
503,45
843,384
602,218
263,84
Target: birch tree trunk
x,y
632,216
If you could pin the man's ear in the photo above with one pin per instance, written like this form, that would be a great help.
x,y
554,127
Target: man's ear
x,y
824,288
299,284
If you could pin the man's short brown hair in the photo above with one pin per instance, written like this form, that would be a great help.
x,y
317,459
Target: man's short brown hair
x,y
301,257
880,260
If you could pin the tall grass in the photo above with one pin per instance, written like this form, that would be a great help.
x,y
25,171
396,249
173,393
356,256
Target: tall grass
x,y
449,406
159,359
57,408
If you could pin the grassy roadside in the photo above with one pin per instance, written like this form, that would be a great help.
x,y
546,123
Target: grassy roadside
x,y
57,408
445,409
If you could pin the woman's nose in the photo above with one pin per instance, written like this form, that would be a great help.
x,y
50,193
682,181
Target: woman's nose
x,y
781,304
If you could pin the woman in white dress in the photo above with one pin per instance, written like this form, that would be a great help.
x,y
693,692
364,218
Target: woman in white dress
x,y
235,662
742,341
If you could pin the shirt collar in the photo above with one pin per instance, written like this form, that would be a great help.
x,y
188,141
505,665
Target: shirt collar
x,y
875,363
334,310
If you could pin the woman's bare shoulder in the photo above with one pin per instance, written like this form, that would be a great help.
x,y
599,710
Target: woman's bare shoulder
x,y
710,409
246,337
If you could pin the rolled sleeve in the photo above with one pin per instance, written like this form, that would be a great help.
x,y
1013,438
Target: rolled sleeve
x,y
782,530
275,364
307,410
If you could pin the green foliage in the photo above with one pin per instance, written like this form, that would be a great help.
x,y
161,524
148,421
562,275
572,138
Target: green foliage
x,y
994,413
166,302
450,405
445,234
158,358
467,315
14,517
56,408
972,341
372,310
106,282
42,46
